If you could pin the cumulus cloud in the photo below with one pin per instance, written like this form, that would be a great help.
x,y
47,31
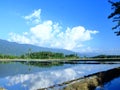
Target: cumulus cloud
x,y
19,38
50,34
34,17
42,31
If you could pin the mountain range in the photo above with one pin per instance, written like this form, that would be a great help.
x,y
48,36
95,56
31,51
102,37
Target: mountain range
x,y
13,48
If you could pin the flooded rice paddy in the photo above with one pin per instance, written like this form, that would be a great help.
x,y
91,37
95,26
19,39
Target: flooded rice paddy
x,y
30,75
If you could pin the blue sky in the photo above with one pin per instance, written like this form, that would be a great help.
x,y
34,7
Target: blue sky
x,y
77,25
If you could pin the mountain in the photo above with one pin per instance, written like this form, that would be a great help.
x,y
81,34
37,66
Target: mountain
x,y
13,48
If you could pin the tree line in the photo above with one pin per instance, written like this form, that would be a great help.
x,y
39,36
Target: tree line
x,y
41,55
52,55
107,56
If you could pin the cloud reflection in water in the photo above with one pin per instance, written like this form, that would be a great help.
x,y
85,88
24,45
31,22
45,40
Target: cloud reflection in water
x,y
47,78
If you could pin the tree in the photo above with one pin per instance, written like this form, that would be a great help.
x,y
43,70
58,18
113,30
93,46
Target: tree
x,y
115,15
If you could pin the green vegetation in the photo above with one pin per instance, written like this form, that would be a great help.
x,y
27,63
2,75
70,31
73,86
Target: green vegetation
x,y
55,55
42,64
45,55
73,56
7,56
107,56
41,55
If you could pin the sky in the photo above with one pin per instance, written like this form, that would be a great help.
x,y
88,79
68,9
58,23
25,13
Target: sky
x,y
77,25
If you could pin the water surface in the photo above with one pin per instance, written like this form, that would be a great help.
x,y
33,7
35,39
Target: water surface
x,y
36,75
112,85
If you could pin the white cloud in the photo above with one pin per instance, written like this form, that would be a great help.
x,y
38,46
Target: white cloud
x,y
34,17
50,34
19,38
42,31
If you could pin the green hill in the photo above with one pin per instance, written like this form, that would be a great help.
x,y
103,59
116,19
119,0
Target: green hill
x,y
12,48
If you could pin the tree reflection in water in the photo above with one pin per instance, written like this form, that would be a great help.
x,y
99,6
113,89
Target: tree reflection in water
x,y
42,64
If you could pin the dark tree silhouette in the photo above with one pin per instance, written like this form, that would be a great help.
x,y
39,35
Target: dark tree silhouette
x,y
115,15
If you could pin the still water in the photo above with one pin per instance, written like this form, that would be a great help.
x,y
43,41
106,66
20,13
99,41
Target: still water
x,y
36,75
112,85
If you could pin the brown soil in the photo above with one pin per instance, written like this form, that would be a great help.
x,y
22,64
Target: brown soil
x,y
92,81
89,82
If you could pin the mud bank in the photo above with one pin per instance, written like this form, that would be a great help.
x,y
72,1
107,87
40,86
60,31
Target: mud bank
x,y
92,81
89,82
2,88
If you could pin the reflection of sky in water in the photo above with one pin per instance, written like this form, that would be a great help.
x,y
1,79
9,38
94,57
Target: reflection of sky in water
x,y
49,76
112,85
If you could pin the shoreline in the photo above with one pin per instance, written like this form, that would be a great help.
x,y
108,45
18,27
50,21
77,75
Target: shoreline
x,y
93,80
80,59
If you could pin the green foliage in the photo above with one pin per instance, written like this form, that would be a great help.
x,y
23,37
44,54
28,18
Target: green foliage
x,y
71,56
115,15
100,56
45,55
23,56
107,56
40,55
8,56
42,64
